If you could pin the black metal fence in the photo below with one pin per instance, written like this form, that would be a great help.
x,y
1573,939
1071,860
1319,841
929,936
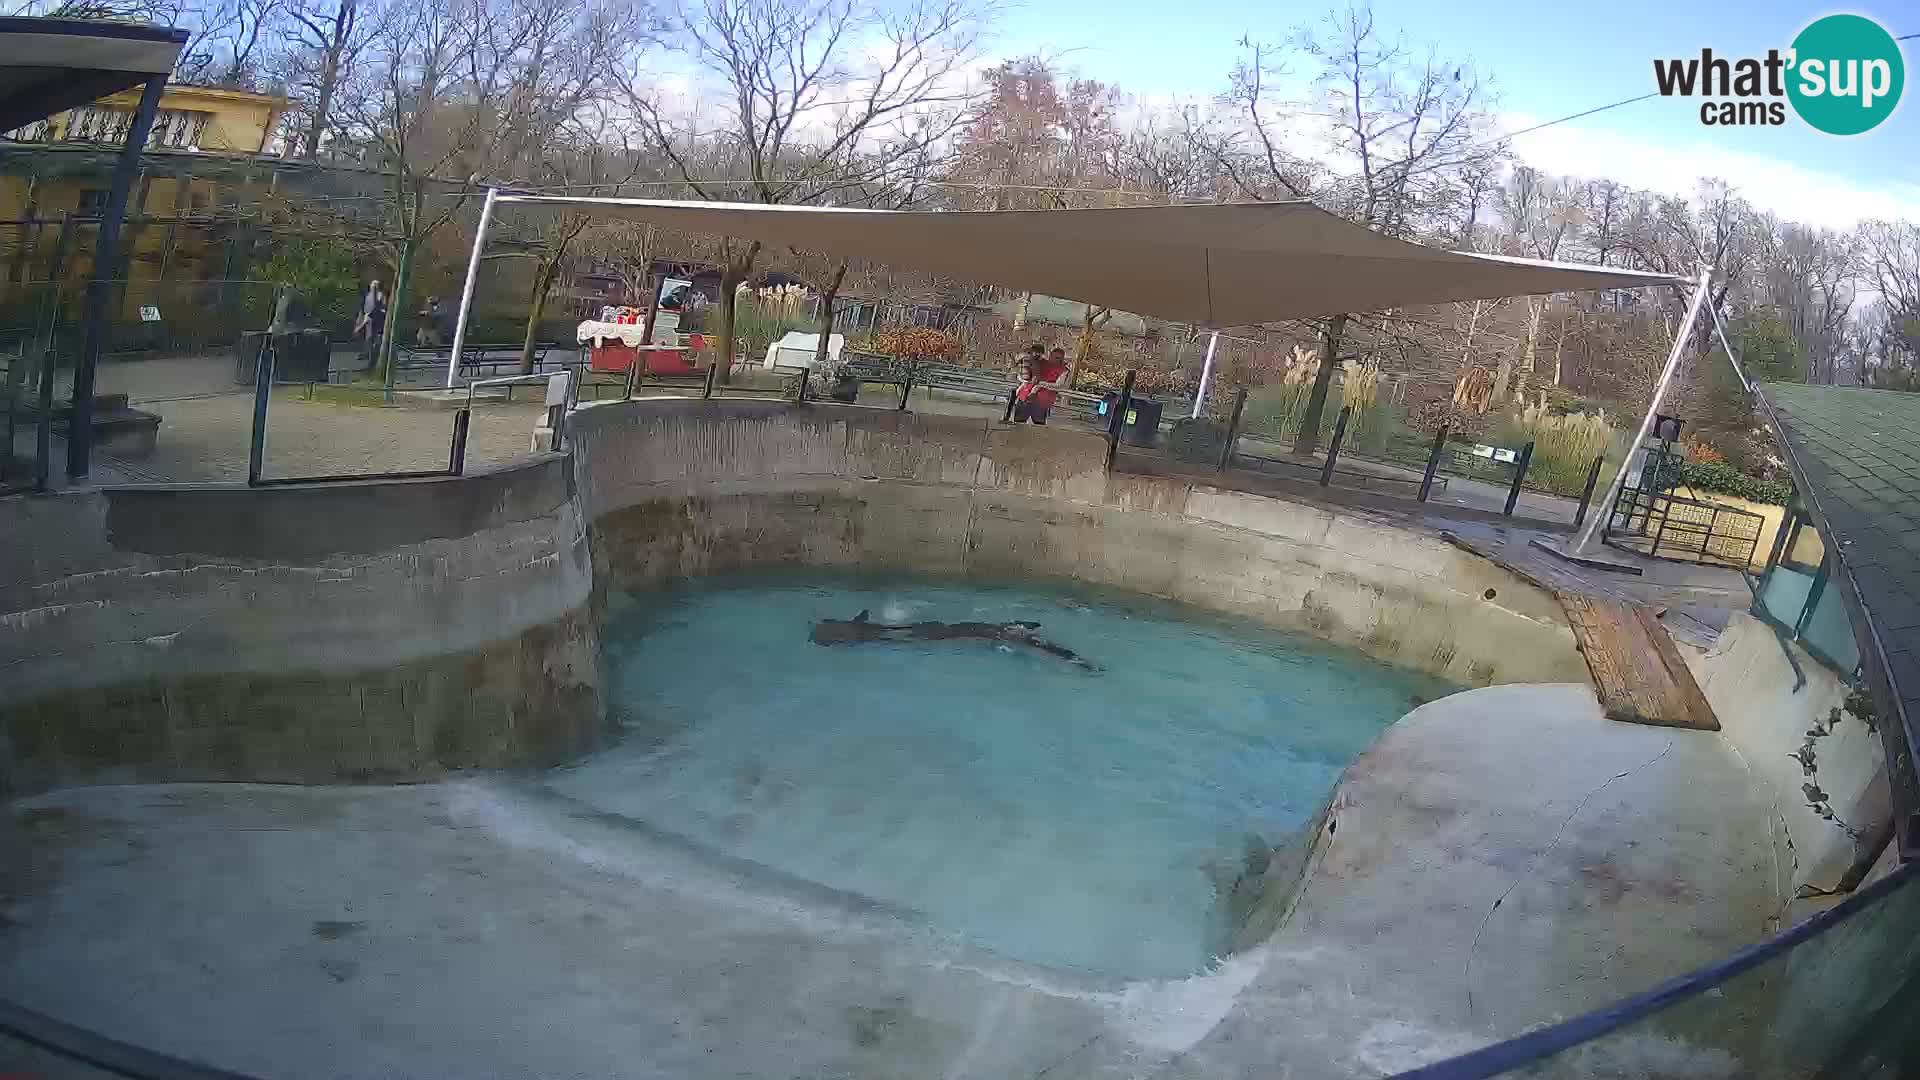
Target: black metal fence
x,y
1662,525
1437,467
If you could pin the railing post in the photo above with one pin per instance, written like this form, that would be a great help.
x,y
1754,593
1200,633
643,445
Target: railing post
x,y
1013,396
262,390
1233,429
43,436
1433,462
1333,447
1519,477
1661,531
1586,493
457,456
1119,418
106,257
906,389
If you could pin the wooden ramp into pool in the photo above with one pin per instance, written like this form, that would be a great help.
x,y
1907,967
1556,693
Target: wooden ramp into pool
x,y
1637,669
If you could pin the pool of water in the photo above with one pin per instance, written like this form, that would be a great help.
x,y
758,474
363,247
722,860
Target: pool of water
x,y
1078,818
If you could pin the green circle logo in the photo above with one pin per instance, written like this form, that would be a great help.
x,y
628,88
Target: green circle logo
x,y
1847,74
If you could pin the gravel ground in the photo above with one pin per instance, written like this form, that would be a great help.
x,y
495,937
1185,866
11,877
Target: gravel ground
x,y
206,438
206,422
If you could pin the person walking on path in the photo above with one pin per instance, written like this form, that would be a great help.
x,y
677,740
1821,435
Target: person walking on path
x,y
426,334
372,323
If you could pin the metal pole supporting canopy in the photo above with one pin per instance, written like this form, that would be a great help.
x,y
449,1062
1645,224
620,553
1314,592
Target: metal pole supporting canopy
x,y
466,289
1206,376
1583,544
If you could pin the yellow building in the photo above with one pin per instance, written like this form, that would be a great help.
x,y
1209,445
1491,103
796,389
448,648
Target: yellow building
x,y
190,118
64,165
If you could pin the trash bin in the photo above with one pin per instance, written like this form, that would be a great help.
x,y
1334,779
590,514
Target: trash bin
x,y
301,356
1141,425
246,354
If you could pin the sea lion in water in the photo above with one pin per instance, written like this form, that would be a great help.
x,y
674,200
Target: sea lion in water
x,y
861,628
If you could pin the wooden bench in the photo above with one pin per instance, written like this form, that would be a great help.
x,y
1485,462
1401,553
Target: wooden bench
x,y
475,360
876,368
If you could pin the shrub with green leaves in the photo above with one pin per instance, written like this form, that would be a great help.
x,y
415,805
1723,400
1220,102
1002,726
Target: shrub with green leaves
x,y
1724,478
322,270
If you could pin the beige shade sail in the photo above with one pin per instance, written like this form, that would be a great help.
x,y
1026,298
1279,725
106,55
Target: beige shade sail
x,y
1217,265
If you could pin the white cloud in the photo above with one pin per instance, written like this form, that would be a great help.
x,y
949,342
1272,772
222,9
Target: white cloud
x,y
1794,192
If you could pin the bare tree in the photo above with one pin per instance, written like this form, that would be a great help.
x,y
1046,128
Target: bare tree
x,y
431,100
1408,126
329,35
584,158
1889,262
1807,275
229,42
1541,215
821,99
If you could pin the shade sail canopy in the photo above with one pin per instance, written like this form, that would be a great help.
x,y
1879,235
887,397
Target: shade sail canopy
x,y
48,66
1222,264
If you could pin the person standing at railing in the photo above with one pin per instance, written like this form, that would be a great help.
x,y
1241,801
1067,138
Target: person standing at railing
x,y
1046,375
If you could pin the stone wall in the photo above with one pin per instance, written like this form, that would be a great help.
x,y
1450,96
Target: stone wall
x,y
391,631
677,489
375,631
1749,682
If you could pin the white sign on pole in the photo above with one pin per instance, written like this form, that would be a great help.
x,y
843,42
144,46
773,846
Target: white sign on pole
x,y
1497,453
149,313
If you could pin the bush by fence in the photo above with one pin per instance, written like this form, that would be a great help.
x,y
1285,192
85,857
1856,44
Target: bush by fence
x,y
1724,478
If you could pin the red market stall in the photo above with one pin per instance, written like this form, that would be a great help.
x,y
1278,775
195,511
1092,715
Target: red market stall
x,y
613,344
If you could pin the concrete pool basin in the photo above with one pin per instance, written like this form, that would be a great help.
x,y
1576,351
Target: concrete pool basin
x,y
443,636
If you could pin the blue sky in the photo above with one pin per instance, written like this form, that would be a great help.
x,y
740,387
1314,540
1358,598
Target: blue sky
x,y
1546,62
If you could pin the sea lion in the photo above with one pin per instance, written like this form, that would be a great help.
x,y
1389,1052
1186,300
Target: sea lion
x,y
862,628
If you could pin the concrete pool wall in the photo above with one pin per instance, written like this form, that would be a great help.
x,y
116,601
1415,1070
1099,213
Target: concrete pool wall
x,y
350,632
1503,857
678,489
396,631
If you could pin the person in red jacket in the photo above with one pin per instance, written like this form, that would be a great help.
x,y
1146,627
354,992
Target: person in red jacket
x,y
1046,376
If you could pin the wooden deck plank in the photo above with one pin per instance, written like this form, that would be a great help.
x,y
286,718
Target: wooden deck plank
x,y
1637,670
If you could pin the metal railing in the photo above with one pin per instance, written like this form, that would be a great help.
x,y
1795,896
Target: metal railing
x,y
1853,1024
263,384
556,412
1662,525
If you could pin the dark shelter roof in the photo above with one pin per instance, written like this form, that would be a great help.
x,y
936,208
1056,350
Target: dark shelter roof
x,y
48,66
1855,456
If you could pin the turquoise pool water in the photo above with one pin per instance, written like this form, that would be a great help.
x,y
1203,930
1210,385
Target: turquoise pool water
x,y
1067,817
